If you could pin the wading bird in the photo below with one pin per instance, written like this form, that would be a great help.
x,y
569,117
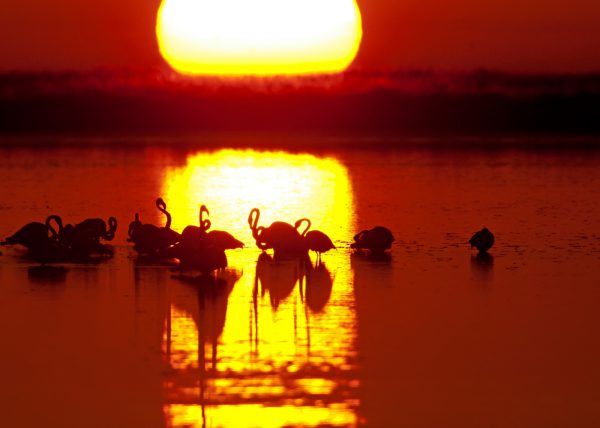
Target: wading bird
x,y
283,238
318,242
482,240
149,239
32,234
377,240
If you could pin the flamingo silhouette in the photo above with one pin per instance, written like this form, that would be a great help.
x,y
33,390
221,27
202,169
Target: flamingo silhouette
x,y
148,239
96,228
282,237
202,250
319,242
316,240
482,240
220,238
32,234
377,240
197,231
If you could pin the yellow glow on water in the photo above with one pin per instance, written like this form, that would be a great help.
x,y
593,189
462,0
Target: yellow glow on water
x,y
260,416
279,348
258,37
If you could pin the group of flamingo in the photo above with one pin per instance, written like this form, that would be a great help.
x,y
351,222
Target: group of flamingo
x,y
71,242
197,247
200,248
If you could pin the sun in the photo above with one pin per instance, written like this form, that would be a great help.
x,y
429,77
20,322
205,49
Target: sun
x,y
258,37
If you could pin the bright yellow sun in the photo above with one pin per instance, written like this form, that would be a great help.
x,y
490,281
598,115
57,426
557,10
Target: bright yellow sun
x,y
258,37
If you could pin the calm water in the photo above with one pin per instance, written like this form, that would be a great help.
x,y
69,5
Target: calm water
x,y
433,337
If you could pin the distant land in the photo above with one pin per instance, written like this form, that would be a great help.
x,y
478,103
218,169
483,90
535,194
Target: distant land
x,y
408,104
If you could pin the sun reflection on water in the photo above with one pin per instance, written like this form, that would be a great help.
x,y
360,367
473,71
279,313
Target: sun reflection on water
x,y
276,346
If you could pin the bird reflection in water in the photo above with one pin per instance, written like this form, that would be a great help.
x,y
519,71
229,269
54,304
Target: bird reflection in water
x,y
482,266
209,313
280,362
277,277
45,274
318,284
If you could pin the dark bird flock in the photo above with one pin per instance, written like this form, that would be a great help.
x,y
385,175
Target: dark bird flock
x,y
197,248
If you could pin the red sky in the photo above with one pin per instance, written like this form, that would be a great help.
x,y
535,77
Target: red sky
x,y
526,35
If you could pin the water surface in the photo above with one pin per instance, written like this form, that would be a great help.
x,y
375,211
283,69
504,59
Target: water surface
x,y
434,336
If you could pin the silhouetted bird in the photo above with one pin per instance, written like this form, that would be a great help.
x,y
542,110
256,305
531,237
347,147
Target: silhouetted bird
x,y
224,240
318,242
196,231
32,234
84,238
482,240
49,250
299,223
96,228
198,256
282,237
148,239
218,238
201,250
376,240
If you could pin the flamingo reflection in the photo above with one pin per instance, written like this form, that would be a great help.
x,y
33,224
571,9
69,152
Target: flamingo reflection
x,y
318,283
278,278
482,266
209,313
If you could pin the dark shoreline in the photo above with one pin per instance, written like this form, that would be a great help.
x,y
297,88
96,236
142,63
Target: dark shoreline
x,y
404,107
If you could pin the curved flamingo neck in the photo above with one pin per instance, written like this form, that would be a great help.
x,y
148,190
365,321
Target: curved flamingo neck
x,y
299,223
204,224
58,221
162,207
253,222
257,232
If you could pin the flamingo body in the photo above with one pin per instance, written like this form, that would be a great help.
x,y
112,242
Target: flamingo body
x,y
377,240
318,241
29,235
482,240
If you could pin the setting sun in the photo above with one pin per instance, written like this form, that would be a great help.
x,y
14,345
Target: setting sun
x,y
258,37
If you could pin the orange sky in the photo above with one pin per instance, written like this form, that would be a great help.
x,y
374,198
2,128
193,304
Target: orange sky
x,y
526,35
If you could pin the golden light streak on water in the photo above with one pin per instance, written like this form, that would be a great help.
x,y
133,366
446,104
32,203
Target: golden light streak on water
x,y
276,346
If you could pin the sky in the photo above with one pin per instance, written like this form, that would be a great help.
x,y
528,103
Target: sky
x,y
507,35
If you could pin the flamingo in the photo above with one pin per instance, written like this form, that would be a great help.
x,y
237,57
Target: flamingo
x,y
148,238
168,235
282,237
96,228
202,250
482,240
219,238
318,242
377,240
32,234
197,231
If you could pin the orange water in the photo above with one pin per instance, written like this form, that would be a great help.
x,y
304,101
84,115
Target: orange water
x,y
432,337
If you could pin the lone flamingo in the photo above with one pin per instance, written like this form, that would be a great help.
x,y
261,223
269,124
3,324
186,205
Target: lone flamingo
x,y
482,240
377,240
